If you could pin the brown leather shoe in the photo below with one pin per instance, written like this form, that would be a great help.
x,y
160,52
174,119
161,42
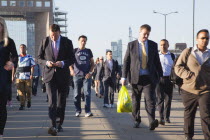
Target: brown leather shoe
x,y
52,131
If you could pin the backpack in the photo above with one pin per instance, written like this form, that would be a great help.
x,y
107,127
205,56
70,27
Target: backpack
x,y
176,80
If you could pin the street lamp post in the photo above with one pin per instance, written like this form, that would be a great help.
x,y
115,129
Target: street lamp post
x,y
193,21
165,17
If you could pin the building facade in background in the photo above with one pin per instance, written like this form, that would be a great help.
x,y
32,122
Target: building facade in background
x,y
60,18
116,48
28,21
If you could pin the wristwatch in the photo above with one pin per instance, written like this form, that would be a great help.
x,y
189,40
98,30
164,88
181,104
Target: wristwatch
x,y
91,73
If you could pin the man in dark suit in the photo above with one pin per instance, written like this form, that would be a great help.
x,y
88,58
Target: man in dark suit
x,y
143,68
56,54
110,71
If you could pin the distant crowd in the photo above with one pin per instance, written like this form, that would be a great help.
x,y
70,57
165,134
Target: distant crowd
x,y
60,66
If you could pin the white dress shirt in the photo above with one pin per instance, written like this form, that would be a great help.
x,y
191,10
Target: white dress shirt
x,y
166,63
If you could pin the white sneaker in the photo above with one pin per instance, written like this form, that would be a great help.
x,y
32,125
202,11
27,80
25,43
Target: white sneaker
x,y
89,114
106,106
77,114
112,105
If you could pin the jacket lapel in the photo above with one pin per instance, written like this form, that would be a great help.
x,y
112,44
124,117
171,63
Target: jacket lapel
x,y
136,51
149,52
107,65
51,48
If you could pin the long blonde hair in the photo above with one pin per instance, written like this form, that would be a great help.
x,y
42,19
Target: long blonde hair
x,y
5,32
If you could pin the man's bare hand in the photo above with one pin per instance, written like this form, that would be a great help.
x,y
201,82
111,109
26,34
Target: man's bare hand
x,y
9,66
58,64
87,76
13,79
123,81
50,64
72,73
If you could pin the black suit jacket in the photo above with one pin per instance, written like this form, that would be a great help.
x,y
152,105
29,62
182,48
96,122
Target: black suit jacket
x,y
131,66
108,73
65,54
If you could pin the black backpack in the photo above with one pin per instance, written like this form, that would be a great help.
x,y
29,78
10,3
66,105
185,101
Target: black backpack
x,y
176,80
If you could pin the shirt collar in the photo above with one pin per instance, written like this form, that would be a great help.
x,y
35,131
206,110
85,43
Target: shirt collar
x,y
164,54
145,43
59,39
195,49
23,55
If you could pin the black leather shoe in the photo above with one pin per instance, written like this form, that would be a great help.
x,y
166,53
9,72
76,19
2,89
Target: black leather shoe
x,y
168,121
188,138
60,129
29,104
153,125
52,131
162,122
136,124
22,107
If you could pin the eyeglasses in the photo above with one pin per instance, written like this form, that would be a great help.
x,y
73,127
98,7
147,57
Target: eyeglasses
x,y
204,38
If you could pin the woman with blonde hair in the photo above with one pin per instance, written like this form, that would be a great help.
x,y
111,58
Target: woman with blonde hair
x,y
8,58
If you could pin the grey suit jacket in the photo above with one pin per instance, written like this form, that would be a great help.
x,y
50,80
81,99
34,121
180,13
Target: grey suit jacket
x,y
131,66
65,54
108,73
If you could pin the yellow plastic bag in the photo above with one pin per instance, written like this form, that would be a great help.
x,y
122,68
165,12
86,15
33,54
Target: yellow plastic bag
x,y
124,103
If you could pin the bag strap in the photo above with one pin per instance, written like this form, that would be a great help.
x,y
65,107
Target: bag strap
x,y
172,56
188,54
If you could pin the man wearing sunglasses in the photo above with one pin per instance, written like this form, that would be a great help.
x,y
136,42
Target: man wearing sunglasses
x,y
196,84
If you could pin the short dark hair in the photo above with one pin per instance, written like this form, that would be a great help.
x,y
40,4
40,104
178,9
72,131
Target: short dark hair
x,y
23,45
203,30
145,26
82,36
54,28
165,40
108,51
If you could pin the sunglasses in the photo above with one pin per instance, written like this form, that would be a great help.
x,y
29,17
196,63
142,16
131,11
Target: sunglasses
x,y
101,59
204,38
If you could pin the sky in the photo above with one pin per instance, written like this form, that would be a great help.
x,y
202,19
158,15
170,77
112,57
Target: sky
x,y
104,21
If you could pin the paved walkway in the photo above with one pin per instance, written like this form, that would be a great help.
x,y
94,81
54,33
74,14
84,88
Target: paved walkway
x,y
32,124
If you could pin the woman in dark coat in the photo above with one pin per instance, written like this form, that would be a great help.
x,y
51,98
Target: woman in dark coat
x,y
8,58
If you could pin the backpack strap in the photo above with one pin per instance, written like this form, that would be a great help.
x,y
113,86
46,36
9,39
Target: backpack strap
x,y
172,56
188,54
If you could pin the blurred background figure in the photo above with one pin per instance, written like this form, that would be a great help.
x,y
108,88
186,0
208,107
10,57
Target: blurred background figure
x,y
36,77
8,58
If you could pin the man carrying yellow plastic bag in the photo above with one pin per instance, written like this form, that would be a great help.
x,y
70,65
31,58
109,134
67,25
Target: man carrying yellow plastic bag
x,y
124,103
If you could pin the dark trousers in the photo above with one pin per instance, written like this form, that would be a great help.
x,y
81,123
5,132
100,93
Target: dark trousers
x,y
144,86
57,93
191,102
109,86
164,92
3,111
10,92
35,83
101,87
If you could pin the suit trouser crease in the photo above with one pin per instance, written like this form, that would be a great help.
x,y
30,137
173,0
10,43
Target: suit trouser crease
x,y
144,86
35,85
191,102
164,96
109,91
56,99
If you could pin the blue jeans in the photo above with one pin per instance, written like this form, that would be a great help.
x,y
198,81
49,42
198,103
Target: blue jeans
x,y
79,82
